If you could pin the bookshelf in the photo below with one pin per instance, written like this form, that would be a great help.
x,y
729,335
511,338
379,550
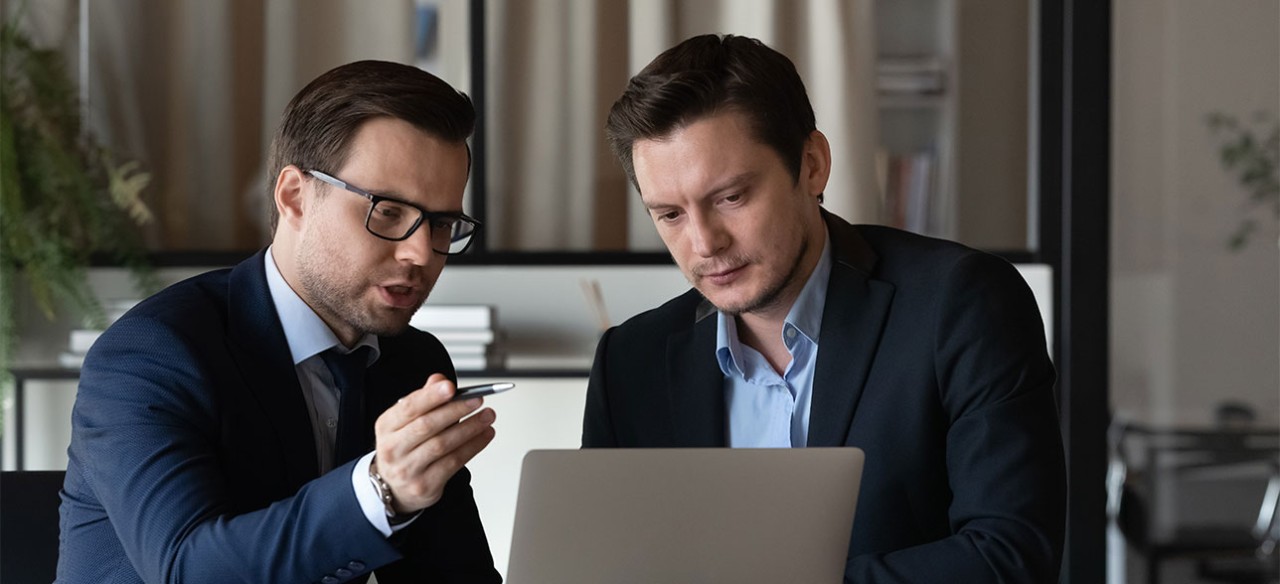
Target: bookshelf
x,y
916,86
954,88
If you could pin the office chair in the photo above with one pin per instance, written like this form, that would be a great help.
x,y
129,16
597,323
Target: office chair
x,y
1146,462
29,525
1264,566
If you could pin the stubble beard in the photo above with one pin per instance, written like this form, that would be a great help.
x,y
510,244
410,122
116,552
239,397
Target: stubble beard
x,y
342,300
767,298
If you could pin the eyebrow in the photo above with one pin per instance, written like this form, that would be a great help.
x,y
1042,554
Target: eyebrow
x,y
397,197
731,183
383,193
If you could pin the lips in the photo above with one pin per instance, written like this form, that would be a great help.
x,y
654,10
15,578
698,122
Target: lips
x,y
400,295
722,276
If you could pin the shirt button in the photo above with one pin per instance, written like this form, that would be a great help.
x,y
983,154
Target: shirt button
x,y
354,565
329,580
343,573
791,333
332,423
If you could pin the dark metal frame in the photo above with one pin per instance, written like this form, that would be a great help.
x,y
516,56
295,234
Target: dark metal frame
x,y
479,142
1075,220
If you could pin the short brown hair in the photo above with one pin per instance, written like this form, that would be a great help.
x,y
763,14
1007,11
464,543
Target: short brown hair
x,y
708,74
318,124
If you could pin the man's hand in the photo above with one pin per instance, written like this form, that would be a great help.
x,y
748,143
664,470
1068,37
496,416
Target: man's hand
x,y
422,443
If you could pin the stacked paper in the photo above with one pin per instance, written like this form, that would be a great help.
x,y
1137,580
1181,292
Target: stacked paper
x,y
469,333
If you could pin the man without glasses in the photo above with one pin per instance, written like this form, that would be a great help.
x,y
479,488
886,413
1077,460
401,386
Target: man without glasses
x,y
804,330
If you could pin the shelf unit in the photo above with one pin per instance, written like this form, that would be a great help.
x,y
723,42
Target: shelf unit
x,y
917,84
955,83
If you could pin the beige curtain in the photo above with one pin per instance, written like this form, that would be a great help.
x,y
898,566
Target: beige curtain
x,y
552,66
194,89
556,67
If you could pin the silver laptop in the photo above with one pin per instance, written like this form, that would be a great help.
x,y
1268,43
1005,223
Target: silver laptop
x,y
684,515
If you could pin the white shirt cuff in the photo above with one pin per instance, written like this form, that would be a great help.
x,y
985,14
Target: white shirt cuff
x,y
370,503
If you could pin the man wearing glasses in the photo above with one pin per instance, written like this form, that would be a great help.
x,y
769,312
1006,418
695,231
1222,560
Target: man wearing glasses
x,y
279,421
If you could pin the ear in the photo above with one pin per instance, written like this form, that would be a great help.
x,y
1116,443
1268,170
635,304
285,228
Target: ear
x,y
288,196
815,163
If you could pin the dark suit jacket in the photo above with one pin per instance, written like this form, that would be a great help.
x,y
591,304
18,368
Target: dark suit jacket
x,y
192,457
932,359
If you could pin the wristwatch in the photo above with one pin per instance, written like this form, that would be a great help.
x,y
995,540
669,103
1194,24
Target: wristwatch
x,y
384,493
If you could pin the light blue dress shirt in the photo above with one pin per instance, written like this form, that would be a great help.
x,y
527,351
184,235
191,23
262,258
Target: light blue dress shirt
x,y
308,336
767,410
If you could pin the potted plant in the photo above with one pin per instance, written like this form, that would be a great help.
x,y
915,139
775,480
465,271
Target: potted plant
x,y
63,197
1250,152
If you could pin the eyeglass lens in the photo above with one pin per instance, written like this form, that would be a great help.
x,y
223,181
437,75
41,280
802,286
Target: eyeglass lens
x,y
395,220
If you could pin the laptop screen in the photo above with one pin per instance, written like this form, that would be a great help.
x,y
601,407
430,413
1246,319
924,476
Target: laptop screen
x,y
684,515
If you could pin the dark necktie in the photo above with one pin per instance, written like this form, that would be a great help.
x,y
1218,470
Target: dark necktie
x,y
348,371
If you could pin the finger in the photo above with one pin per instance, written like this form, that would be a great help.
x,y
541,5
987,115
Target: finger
x,y
435,392
414,453
443,469
418,478
432,393
424,427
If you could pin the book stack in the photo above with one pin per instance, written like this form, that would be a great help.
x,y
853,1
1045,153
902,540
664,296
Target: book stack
x,y
469,333
908,184
923,75
82,339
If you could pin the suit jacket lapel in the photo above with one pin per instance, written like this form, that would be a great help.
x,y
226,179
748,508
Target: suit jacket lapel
x,y
258,345
377,397
697,393
853,318
403,366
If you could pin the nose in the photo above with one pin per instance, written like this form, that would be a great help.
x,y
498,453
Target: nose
x,y
416,249
706,234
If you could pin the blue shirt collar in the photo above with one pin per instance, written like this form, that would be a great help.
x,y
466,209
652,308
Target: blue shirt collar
x,y
805,316
304,330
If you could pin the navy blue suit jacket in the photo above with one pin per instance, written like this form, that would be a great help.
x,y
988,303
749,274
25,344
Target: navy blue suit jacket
x,y
192,457
932,359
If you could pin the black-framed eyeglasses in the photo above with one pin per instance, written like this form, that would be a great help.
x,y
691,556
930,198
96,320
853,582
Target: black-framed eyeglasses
x,y
395,220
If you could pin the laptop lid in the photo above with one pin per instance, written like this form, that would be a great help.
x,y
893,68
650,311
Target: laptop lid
x,y
684,515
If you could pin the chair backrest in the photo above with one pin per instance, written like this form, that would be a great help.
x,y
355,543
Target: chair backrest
x,y
29,525
1154,476
1267,527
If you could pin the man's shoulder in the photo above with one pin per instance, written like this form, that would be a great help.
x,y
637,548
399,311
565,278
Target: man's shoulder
x,y
926,271
174,325
906,258
891,243
195,299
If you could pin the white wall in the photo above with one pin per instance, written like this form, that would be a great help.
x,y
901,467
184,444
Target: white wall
x,y
538,414
1192,322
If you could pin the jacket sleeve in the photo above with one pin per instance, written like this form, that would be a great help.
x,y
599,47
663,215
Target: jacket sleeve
x,y
1004,455
445,544
146,428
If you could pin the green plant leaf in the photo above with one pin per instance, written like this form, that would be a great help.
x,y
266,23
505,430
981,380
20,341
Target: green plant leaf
x,y
1252,155
63,197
